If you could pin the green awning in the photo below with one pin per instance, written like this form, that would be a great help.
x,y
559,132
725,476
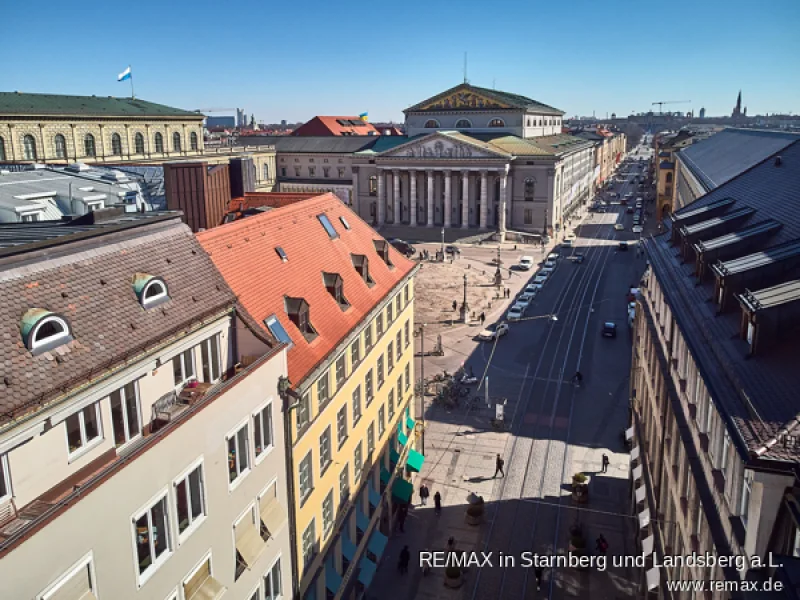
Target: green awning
x,y
410,423
415,460
385,475
402,489
402,439
394,457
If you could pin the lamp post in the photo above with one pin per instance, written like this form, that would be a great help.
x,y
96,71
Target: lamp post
x,y
498,276
290,400
464,305
442,244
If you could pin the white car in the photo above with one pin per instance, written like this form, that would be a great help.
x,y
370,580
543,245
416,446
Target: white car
x,y
492,331
547,271
619,226
515,312
533,288
526,297
526,263
540,279
554,256
636,229
550,264
569,240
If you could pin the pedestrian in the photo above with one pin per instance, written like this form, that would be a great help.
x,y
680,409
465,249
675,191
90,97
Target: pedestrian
x,y
483,318
455,304
451,544
405,558
437,502
605,463
602,545
423,494
498,466
538,571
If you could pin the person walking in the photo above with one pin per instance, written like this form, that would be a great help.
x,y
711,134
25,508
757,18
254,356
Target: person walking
x,y
602,545
498,466
483,318
605,463
423,494
405,558
437,502
455,305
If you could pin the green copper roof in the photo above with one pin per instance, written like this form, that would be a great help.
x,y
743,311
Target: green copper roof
x,y
18,103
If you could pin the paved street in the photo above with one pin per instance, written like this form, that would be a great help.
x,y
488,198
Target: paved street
x,y
554,430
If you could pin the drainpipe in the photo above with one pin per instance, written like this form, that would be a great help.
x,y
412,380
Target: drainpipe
x,y
286,394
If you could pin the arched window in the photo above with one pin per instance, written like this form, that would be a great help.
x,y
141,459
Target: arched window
x,y
463,124
150,290
2,148
431,124
29,145
88,145
42,330
669,177
138,143
193,141
530,189
116,145
540,122
373,185
176,142
159,139
497,123
265,169
61,146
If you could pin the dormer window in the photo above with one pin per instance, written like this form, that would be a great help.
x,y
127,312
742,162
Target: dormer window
x,y
382,248
361,264
335,286
43,330
151,291
299,314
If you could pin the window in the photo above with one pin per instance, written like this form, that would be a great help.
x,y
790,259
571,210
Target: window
x,y
463,124
398,344
312,172
408,375
138,143
309,544
238,455
400,390
355,353
201,583
125,414
356,405
389,314
79,582
273,589
369,388
151,531
306,477
88,145
379,324
300,314
431,124
390,356
530,189
373,185
153,293
303,412
5,479
265,172
326,171
341,171
744,503
322,390
277,330
327,514
83,428
726,443
341,425
209,350
328,226
193,142
407,328
381,421
358,461
283,171
368,337
2,148
341,370
405,296
60,144
497,123
344,485
50,331
380,371
190,499
371,438
29,147
361,265
262,431
116,145
183,367
159,142
325,449
297,171
390,403
528,216
669,177
176,142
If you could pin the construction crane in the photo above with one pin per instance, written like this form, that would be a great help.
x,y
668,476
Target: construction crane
x,y
661,104
210,110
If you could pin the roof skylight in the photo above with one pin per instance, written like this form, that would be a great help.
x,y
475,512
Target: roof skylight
x,y
326,223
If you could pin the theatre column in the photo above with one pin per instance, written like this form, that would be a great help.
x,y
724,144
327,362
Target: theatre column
x,y
412,202
484,199
464,199
448,201
501,216
430,198
396,195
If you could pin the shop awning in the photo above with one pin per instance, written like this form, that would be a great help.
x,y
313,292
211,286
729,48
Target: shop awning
x,y
415,461
249,543
362,520
385,475
374,496
377,544
652,579
333,581
348,548
366,571
635,453
402,438
402,490
273,514
410,423
394,457
640,494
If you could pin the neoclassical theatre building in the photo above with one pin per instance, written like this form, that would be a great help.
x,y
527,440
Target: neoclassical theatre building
x,y
472,158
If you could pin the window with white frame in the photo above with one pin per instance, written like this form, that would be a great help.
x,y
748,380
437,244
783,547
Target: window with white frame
x,y
126,414
262,430
368,337
407,329
390,356
744,502
369,387
83,429
201,583
358,461
78,582
389,314
238,454
309,544
151,531
379,367
248,542
398,346
327,514
273,586
379,324
323,394
355,353
190,502
341,425
356,405
390,404
212,368
371,438
400,390
405,294
183,367
5,479
306,477
341,370
303,412
381,421
344,484
408,375
325,449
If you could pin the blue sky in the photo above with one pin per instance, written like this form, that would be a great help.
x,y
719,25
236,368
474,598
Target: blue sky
x,y
285,61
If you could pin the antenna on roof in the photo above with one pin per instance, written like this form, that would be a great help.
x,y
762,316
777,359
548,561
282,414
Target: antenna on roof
x,y
493,82
465,68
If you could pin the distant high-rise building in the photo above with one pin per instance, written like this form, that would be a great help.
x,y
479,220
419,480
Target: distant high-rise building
x,y
702,113
241,118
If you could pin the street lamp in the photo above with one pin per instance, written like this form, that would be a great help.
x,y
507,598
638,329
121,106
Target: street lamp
x,y
498,276
442,244
464,305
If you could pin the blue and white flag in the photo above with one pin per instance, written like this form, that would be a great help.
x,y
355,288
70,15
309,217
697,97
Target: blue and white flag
x,y
126,74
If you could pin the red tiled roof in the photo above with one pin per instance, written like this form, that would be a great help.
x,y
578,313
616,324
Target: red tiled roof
x,y
244,251
324,125
272,199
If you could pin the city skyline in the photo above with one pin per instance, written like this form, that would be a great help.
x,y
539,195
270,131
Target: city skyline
x,y
565,64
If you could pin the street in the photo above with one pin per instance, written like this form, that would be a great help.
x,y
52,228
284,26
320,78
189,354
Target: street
x,y
554,429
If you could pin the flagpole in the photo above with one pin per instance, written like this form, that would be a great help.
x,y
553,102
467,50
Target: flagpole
x,y
133,95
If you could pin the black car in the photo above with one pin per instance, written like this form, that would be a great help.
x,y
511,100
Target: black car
x,y
629,210
577,258
623,246
452,250
609,330
403,247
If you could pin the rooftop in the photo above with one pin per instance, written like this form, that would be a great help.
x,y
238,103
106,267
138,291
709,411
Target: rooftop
x,y
24,104
290,245
315,144
337,126
473,97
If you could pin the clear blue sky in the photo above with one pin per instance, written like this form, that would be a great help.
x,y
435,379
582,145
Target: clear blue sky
x,y
281,60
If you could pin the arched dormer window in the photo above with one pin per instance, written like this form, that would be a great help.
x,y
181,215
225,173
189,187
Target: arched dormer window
x,y
463,124
497,123
151,291
43,330
432,124
530,189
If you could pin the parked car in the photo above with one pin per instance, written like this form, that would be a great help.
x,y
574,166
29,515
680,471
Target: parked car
x,y
546,271
452,250
609,330
554,256
540,278
526,297
403,247
550,264
525,263
524,301
629,210
569,240
533,288
618,227
623,246
492,331
515,312
636,229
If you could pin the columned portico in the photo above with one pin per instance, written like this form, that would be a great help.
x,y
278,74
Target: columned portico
x,y
484,207
465,199
430,197
412,203
396,195
448,201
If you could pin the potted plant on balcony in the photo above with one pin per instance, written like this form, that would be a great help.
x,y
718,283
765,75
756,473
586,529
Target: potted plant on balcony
x,y
453,577
580,488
